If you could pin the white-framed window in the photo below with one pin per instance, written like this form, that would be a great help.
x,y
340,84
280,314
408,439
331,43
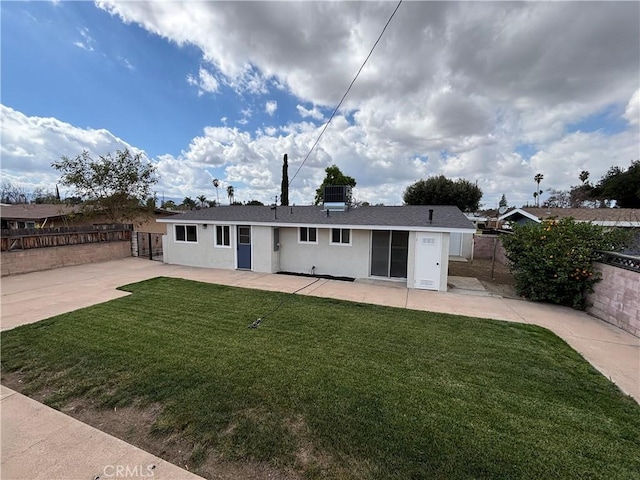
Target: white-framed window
x,y
223,238
186,233
340,236
308,235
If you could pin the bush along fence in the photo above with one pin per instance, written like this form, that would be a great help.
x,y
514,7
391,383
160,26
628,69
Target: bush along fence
x,y
553,261
25,239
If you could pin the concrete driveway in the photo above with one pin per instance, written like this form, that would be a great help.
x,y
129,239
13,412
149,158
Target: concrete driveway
x,y
41,443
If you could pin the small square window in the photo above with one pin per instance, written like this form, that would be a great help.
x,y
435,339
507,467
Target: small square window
x,y
180,233
192,233
186,233
222,236
244,235
340,236
308,235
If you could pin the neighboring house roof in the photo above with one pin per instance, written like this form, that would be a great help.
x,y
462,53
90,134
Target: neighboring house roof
x,y
518,213
415,217
35,211
610,217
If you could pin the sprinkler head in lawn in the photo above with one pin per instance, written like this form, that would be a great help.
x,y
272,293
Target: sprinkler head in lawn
x,y
256,323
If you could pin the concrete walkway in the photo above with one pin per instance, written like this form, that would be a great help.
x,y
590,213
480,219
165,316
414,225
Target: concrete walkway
x,y
39,442
31,448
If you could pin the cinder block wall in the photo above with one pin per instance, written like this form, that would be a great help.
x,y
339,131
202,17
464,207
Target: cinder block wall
x,y
483,248
38,259
616,299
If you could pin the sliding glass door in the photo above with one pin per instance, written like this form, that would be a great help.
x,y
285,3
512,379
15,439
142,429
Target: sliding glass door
x,y
389,252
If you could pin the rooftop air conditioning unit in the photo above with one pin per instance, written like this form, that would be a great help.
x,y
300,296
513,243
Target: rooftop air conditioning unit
x,y
337,197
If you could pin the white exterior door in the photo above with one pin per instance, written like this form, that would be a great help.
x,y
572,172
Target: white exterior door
x,y
427,267
455,244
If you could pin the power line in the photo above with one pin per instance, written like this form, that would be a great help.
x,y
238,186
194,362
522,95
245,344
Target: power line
x,y
345,93
256,323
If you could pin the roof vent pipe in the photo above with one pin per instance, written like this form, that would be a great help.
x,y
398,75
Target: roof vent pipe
x,y
430,216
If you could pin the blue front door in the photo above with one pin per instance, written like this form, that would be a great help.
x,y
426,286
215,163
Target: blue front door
x,y
244,247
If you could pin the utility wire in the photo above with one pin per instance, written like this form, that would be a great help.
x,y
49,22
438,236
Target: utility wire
x,y
345,93
256,323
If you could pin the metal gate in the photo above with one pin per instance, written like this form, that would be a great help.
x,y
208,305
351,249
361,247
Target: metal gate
x,y
148,245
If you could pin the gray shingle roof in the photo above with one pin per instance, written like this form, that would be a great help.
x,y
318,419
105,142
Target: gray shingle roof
x,y
444,217
589,214
628,217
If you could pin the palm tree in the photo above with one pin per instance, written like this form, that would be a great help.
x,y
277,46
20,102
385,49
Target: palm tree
x,y
584,176
203,200
216,183
538,178
230,194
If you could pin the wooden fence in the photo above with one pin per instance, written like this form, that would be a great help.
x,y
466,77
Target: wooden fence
x,y
28,238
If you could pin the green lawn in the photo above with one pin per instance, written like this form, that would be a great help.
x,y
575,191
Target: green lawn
x,y
332,389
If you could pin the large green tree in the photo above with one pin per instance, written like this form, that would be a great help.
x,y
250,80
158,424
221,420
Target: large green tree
x,y
114,186
441,190
334,177
189,203
621,186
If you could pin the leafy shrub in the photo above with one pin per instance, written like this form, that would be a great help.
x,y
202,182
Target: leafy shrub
x,y
552,261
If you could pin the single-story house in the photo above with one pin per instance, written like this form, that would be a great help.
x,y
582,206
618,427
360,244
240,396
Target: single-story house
x,y
408,243
26,215
606,217
47,215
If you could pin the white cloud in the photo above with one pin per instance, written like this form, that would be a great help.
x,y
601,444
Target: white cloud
x,y
452,88
30,144
206,82
124,61
270,107
87,41
632,112
313,113
253,163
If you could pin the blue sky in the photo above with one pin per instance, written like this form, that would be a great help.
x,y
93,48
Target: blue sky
x,y
491,92
92,70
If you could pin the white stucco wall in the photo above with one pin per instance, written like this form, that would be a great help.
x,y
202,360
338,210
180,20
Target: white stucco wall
x,y
467,246
338,260
352,260
411,260
200,254
262,253
444,262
